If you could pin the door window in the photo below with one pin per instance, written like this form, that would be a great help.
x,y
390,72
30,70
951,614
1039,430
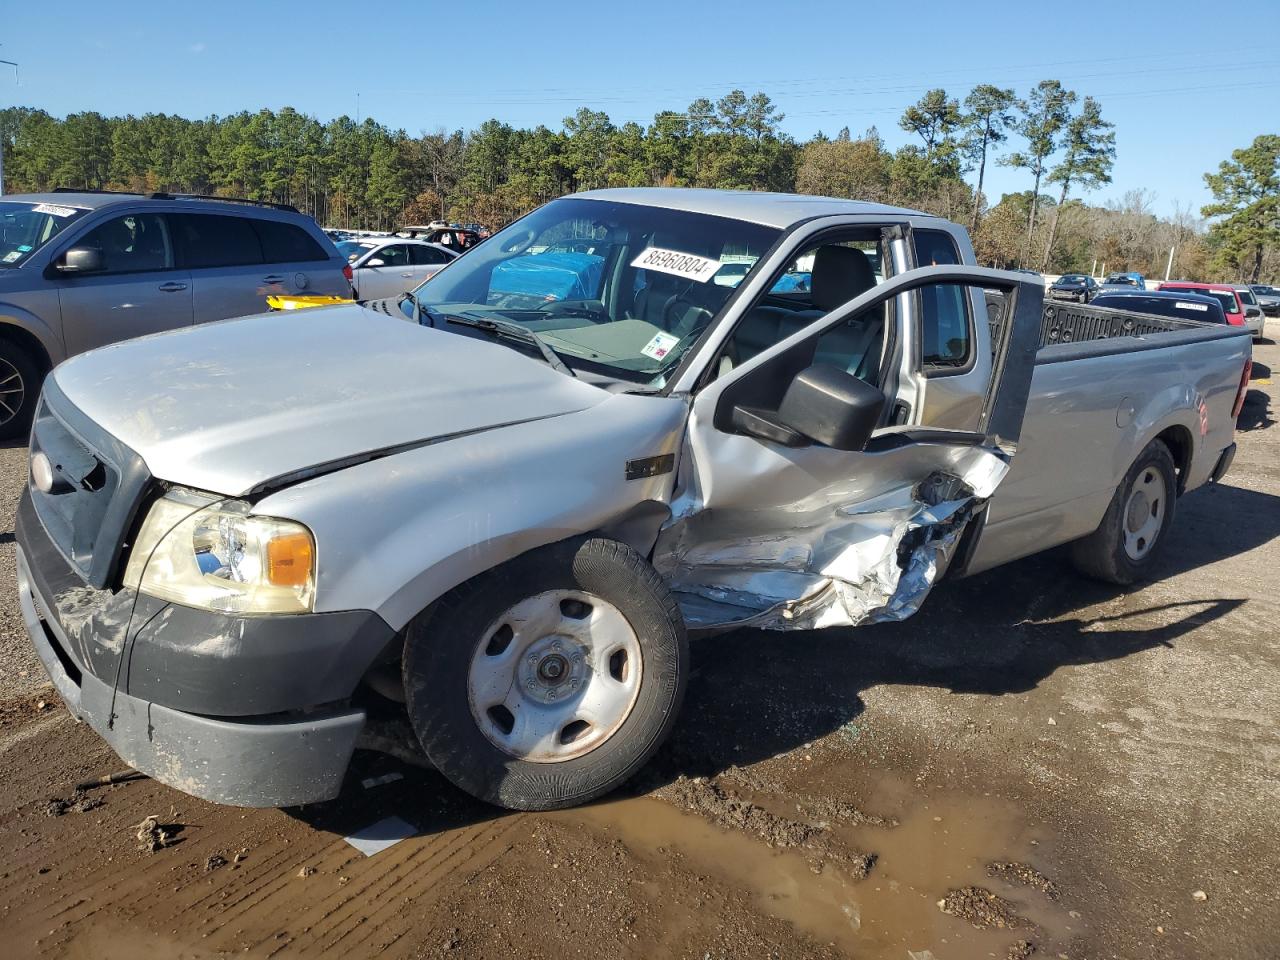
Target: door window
x,y
210,240
820,279
133,243
945,336
424,255
393,255
286,243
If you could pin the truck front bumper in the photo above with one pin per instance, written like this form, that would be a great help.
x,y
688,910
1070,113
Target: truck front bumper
x,y
226,754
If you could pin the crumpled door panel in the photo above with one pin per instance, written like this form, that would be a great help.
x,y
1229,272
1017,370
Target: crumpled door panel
x,y
864,549
796,538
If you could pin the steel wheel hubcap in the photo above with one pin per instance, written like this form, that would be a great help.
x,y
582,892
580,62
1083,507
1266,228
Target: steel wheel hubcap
x,y
555,676
1144,513
12,391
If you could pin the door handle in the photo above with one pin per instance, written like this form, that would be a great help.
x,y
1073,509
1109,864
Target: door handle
x,y
173,286
274,278
407,275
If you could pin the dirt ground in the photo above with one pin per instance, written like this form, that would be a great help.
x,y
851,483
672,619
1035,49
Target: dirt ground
x,y
1036,765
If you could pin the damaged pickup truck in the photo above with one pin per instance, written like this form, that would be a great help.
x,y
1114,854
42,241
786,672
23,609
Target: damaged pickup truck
x,y
505,499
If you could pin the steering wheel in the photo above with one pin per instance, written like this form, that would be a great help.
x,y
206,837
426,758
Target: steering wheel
x,y
561,308
668,312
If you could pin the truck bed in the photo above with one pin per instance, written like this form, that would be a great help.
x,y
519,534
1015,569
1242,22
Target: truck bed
x,y
1074,323
1106,383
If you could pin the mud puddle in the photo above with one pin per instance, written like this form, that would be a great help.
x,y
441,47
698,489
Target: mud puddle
x,y
931,849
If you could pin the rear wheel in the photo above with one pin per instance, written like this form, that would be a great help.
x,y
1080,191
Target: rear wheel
x,y
20,380
1127,541
550,680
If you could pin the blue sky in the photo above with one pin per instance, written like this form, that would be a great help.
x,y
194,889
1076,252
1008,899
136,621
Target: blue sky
x,y
1185,83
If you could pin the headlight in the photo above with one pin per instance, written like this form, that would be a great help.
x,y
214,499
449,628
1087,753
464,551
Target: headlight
x,y
196,550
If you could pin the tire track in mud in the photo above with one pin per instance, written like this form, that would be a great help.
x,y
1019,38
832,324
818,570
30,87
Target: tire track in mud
x,y
394,887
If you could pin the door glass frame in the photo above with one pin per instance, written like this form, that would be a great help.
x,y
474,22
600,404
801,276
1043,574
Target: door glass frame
x,y
165,227
1019,337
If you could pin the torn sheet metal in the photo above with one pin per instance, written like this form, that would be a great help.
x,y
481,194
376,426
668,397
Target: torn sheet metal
x,y
857,550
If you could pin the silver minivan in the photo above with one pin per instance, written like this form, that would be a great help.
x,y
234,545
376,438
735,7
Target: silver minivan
x,y
80,270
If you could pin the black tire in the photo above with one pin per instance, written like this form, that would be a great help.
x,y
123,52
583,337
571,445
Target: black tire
x,y
17,371
1103,554
442,642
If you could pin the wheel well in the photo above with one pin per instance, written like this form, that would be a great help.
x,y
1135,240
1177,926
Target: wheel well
x,y
1178,440
28,343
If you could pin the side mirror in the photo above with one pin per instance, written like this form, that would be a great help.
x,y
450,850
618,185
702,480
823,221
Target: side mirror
x,y
823,404
1250,311
81,260
375,262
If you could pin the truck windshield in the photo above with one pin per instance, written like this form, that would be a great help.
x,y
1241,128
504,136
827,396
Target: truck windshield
x,y
26,227
621,289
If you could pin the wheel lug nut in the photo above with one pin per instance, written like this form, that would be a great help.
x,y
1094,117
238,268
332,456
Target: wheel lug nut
x,y
551,695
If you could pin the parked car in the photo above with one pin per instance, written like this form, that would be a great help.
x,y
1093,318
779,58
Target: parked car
x,y
1268,298
1165,303
456,238
506,515
450,235
1131,281
385,267
81,269
1074,286
1232,305
1254,317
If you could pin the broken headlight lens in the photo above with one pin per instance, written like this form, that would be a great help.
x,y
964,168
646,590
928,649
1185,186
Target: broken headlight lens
x,y
204,552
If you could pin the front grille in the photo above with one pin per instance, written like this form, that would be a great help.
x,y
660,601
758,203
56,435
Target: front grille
x,y
98,485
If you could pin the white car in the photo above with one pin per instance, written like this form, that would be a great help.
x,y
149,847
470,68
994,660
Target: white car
x,y
389,266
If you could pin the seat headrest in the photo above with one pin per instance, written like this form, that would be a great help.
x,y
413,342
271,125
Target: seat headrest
x,y
839,275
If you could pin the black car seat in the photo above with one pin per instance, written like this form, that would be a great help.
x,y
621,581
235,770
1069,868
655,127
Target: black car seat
x,y
148,245
839,275
116,242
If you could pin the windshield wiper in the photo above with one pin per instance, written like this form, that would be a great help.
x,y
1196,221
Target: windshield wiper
x,y
509,329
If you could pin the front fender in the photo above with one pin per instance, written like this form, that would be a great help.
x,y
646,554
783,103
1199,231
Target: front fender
x,y
12,315
393,535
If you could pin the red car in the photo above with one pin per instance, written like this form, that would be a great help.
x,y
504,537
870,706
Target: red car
x,y
1231,304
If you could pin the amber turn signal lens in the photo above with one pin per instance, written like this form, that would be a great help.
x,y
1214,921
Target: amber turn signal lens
x,y
289,560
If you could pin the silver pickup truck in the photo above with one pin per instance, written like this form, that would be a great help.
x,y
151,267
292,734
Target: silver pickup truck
x,y
504,500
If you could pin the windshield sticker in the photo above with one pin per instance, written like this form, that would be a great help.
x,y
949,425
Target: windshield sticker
x,y
13,255
54,210
687,265
24,248
660,345
1183,305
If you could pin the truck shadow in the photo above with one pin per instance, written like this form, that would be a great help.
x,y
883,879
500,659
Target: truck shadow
x,y
754,695
1256,414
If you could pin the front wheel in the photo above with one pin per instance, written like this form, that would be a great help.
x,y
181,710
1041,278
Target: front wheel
x,y
20,380
550,680
1127,541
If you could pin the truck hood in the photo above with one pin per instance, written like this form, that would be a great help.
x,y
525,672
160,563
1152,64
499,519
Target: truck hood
x,y
243,405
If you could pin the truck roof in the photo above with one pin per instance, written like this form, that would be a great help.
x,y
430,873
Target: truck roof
x,y
781,210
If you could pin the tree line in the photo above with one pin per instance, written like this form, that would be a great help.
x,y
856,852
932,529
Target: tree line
x,y
368,175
